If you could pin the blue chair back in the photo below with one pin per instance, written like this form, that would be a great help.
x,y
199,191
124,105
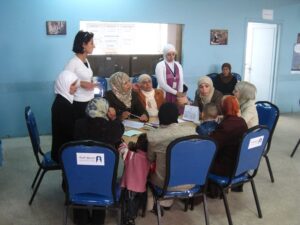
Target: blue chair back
x,y
212,76
251,149
188,160
101,88
135,79
237,76
90,170
33,132
268,114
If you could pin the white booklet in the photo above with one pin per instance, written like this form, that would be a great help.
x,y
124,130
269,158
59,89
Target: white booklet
x,y
133,124
191,113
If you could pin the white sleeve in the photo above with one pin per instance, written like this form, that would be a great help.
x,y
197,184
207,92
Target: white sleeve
x,y
160,72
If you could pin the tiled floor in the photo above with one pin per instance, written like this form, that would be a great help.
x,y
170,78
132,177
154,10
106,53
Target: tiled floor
x,y
280,201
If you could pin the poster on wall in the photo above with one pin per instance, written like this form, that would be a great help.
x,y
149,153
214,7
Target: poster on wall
x,y
296,57
218,37
56,27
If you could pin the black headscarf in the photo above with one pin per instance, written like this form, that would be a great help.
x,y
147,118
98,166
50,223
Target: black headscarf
x,y
168,113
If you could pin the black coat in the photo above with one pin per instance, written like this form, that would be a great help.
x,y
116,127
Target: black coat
x,y
62,118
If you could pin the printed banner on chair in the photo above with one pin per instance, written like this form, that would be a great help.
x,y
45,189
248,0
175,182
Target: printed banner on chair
x,y
90,159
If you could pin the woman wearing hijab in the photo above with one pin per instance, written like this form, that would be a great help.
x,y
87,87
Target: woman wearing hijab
x,y
62,111
123,99
206,93
225,81
245,93
169,75
97,126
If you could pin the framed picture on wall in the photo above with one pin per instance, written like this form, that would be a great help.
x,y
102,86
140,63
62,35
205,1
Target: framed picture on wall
x,y
56,27
218,37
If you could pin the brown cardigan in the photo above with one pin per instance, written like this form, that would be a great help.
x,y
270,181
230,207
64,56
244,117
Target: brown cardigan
x,y
158,95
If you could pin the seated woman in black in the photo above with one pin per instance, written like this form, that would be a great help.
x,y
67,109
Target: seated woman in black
x,y
98,125
225,81
123,99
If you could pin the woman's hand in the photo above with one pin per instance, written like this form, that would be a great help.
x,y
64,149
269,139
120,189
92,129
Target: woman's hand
x,y
111,113
87,85
182,100
125,115
180,94
144,118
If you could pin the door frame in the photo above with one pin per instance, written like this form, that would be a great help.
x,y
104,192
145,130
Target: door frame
x,y
276,55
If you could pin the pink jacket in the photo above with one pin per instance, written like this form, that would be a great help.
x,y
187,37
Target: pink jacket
x,y
136,171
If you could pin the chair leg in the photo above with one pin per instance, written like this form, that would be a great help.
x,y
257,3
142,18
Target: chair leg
x,y
158,211
37,187
192,203
295,148
226,207
256,199
269,168
66,216
205,210
186,204
36,177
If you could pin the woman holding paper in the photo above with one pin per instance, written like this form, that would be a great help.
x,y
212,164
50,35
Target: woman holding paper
x,y
206,93
123,99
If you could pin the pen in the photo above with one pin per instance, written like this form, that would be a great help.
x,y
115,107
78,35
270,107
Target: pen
x,y
134,115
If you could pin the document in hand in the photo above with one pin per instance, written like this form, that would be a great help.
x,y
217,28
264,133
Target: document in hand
x,y
133,124
191,113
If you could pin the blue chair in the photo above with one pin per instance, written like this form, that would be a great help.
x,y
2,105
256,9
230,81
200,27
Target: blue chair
x,y
90,171
43,160
214,75
135,79
268,115
251,150
101,88
296,146
237,76
188,160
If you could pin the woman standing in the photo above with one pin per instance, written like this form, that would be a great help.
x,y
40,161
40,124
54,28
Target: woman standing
x,y
123,99
83,46
245,93
169,75
225,81
206,93
62,112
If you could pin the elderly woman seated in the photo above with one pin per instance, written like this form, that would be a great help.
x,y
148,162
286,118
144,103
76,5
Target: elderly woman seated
x,y
225,81
151,98
123,99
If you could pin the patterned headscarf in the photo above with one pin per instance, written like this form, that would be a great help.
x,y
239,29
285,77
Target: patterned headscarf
x,y
206,80
117,80
97,107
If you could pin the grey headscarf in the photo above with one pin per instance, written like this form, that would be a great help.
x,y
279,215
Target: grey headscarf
x,y
117,81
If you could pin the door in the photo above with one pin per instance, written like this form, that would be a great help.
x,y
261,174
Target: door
x,y
260,58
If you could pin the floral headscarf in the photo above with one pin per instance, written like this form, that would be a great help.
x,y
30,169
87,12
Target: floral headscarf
x,y
117,80
97,107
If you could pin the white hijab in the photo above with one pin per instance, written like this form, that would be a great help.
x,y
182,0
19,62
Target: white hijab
x,y
63,83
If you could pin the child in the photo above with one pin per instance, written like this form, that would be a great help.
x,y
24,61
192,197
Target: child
x,y
209,116
134,178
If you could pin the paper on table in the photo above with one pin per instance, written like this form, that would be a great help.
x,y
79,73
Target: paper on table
x,y
133,124
130,133
191,113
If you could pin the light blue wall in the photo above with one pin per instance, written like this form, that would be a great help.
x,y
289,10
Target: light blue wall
x,y
31,60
